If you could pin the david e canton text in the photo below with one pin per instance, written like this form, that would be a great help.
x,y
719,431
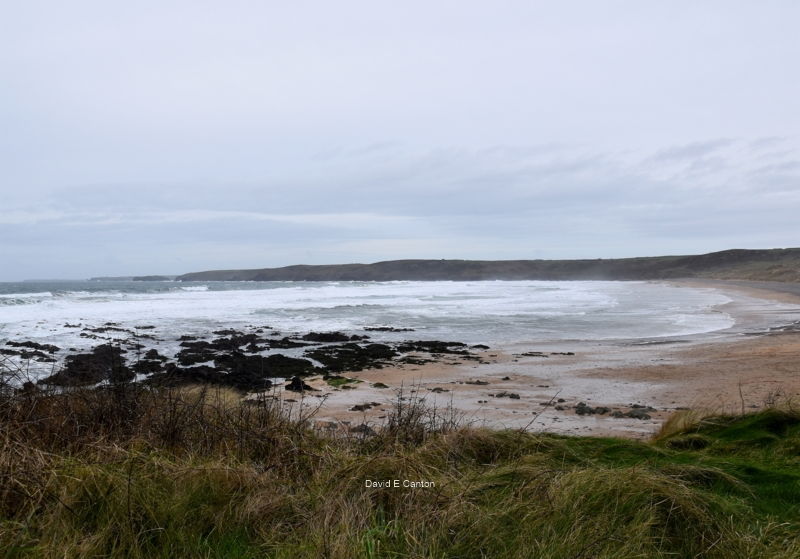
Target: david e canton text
x,y
398,483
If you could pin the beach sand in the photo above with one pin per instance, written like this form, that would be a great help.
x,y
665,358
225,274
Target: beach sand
x,y
745,367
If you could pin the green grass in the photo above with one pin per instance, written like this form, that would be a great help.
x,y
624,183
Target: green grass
x,y
223,480
336,381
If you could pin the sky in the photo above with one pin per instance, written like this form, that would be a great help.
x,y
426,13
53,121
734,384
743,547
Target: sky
x,y
175,136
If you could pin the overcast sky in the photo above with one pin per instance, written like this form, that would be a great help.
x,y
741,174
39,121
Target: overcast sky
x,y
176,136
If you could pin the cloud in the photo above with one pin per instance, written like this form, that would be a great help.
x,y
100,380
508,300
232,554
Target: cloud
x,y
179,136
488,203
691,151
199,216
767,143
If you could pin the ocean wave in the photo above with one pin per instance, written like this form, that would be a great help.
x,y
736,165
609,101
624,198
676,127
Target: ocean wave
x,y
102,295
39,295
11,299
475,311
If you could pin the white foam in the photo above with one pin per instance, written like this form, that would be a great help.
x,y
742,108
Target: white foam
x,y
26,295
194,288
479,312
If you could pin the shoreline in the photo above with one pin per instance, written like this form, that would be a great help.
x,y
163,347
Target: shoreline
x,y
620,387
745,366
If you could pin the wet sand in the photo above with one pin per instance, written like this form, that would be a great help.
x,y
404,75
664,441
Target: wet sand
x,y
748,366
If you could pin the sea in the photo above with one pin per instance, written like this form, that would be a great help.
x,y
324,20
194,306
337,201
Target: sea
x,y
477,312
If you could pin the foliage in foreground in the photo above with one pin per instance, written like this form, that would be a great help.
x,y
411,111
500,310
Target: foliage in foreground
x,y
127,471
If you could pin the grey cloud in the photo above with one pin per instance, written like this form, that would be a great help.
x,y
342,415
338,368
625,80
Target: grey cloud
x,y
767,143
691,151
256,134
775,168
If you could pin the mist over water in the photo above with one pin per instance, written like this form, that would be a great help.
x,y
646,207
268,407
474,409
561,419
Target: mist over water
x,y
492,312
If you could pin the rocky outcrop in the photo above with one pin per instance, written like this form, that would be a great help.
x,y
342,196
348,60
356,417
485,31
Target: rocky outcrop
x,y
104,363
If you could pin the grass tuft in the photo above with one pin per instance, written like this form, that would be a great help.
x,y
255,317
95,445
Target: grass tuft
x,y
137,472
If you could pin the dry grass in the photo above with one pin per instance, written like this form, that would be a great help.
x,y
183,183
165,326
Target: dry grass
x,y
132,471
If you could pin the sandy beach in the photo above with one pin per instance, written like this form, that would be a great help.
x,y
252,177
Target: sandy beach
x,y
564,357
540,386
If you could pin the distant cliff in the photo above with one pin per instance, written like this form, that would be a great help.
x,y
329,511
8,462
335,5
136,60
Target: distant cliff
x,y
764,265
153,278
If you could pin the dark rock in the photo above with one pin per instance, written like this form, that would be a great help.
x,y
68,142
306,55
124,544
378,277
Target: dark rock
x,y
237,370
379,351
227,332
638,411
326,337
260,366
380,385
253,348
207,349
28,388
428,346
297,385
387,329
504,394
408,360
439,389
638,414
25,354
203,374
33,345
285,343
480,346
364,407
195,352
641,407
352,357
195,345
147,367
109,327
104,363
234,342
153,354
478,382
583,409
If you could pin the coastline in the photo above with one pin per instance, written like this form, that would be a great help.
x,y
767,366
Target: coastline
x,y
745,367
618,386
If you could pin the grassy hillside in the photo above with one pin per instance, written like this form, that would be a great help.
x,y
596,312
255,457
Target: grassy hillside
x,y
761,265
135,472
